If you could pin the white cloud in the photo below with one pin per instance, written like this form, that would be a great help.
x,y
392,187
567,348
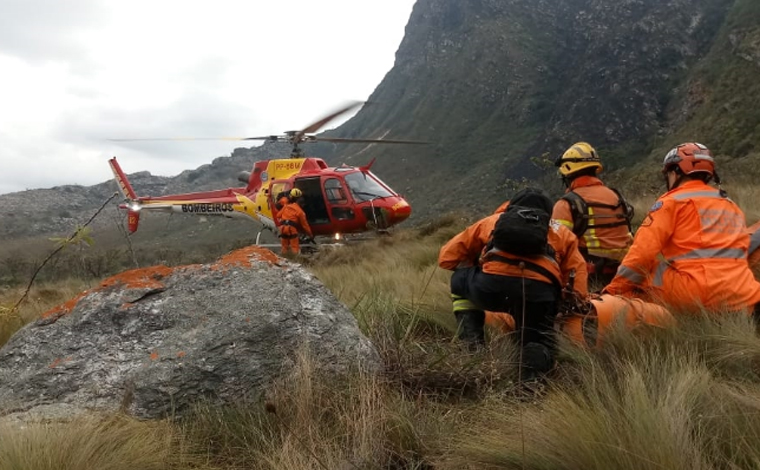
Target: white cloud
x,y
78,72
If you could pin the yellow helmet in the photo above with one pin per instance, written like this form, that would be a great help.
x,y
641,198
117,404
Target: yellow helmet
x,y
578,157
295,193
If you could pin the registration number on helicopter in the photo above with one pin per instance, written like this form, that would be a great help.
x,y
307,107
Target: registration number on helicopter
x,y
287,166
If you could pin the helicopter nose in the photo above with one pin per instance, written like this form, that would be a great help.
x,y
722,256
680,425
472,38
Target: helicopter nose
x,y
401,210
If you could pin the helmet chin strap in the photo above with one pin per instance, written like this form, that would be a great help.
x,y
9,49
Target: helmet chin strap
x,y
717,180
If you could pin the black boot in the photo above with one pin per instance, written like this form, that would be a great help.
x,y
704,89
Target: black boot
x,y
537,360
471,328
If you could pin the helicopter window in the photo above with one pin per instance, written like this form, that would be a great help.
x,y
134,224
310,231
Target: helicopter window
x,y
334,191
365,187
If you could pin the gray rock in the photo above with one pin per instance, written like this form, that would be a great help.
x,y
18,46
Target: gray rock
x,y
152,341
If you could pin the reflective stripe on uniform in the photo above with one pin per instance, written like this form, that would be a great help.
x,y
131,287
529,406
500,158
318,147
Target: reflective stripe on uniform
x,y
722,253
714,253
566,223
592,240
659,273
460,303
710,194
630,274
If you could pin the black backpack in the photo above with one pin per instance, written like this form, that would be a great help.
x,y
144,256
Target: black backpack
x,y
522,231
579,208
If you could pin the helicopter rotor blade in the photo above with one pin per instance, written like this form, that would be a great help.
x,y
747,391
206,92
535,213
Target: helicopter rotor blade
x,y
367,141
281,138
314,127
151,139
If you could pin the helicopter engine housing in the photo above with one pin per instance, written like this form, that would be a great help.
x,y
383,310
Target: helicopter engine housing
x,y
244,176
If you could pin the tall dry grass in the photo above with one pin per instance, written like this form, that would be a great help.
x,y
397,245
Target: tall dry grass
x,y
308,423
685,397
104,443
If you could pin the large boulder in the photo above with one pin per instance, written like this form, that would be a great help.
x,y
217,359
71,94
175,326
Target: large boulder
x,y
152,341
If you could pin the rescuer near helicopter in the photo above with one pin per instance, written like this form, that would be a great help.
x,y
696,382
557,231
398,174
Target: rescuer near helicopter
x,y
598,215
691,249
292,222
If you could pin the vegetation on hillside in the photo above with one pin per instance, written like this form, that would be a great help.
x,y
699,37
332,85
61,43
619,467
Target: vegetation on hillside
x,y
688,397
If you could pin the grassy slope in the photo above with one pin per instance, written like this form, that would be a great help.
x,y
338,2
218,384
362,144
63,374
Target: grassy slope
x,y
685,398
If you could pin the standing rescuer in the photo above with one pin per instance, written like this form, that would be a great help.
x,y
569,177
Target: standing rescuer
x,y
598,215
691,250
514,261
292,221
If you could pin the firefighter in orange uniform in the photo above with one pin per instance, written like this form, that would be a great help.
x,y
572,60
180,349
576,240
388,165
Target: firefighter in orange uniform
x,y
691,249
489,275
597,214
292,221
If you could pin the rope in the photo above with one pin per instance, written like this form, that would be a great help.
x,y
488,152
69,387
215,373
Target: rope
x,y
55,252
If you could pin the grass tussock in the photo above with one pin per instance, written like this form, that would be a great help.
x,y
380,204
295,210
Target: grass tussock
x,y
308,423
106,443
685,397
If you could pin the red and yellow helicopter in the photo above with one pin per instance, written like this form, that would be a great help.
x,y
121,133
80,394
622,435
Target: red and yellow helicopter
x,y
337,200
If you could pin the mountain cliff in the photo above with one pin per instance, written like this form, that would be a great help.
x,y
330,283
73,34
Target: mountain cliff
x,y
497,84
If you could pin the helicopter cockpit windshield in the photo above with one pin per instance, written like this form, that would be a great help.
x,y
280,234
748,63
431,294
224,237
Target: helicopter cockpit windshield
x,y
365,186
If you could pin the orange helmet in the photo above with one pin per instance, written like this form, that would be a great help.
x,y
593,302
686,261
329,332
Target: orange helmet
x,y
691,157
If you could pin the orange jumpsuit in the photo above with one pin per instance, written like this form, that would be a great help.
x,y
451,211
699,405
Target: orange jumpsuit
x,y
292,220
466,248
690,252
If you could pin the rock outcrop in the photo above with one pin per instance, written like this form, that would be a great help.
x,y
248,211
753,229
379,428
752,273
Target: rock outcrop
x,y
152,341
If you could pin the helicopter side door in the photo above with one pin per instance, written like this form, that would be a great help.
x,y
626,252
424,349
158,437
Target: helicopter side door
x,y
313,201
337,199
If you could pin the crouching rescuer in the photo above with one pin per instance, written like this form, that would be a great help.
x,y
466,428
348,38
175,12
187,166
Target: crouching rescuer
x,y
292,222
516,261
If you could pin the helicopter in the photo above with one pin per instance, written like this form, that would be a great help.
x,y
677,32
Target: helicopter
x,y
337,200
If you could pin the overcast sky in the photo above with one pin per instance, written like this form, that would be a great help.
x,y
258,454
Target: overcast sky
x,y
74,73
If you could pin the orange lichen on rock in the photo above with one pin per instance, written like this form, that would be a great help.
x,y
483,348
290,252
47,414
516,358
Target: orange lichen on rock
x,y
65,307
143,278
181,354
150,278
245,257
153,356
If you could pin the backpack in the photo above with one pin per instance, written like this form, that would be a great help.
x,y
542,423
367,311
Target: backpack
x,y
580,210
522,231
